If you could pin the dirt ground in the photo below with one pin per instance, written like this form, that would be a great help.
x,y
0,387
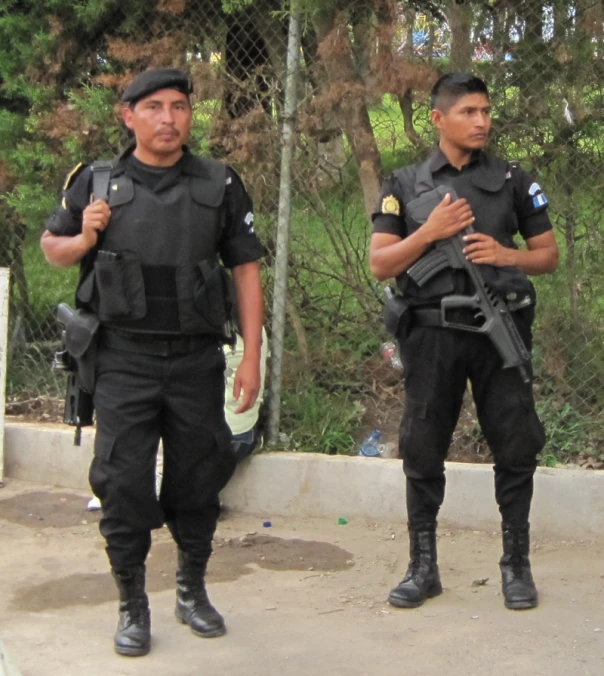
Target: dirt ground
x,y
303,597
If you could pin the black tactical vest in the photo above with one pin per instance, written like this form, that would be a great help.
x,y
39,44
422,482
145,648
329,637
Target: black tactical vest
x,y
489,190
156,270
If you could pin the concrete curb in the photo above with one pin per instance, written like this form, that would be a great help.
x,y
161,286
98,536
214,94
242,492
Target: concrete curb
x,y
568,504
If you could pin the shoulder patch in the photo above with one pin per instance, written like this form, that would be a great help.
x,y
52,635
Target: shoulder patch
x,y
539,200
390,205
72,174
535,188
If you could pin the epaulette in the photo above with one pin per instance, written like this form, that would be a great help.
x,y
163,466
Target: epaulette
x,y
72,175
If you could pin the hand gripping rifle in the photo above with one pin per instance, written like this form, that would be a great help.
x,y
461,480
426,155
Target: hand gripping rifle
x,y
491,315
78,403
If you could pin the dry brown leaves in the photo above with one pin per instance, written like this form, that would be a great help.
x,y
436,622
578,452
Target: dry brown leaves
x,y
206,84
174,7
7,182
162,52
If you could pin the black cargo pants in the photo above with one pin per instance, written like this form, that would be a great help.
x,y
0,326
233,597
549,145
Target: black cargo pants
x,y
438,362
176,396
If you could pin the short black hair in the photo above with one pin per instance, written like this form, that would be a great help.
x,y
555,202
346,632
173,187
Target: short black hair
x,y
452,86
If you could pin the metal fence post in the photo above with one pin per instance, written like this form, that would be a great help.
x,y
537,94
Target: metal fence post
x,y
283,220
4,286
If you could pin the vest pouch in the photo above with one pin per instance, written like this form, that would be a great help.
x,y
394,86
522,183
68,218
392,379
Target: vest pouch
x,y
120,286
202,298
511,284
85,290
209,293
397,316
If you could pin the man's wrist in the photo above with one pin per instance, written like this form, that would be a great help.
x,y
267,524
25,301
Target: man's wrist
x,y
510,257
86,242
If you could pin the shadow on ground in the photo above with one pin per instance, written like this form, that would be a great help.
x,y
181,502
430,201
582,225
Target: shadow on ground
x,y
233,557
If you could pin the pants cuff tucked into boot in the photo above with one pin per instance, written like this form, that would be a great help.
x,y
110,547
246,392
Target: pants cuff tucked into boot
x,y
517,584
193,606
422,579
133,635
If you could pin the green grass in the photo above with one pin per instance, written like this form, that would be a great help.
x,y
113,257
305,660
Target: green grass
x,y
47,285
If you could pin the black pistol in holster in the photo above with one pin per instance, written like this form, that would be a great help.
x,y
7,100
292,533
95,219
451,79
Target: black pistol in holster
x,y
76,359
490,312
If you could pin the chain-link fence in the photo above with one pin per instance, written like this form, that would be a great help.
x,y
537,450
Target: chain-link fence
x,y
365,70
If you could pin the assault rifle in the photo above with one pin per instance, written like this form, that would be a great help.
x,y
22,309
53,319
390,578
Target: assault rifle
x,y
78,403
490,313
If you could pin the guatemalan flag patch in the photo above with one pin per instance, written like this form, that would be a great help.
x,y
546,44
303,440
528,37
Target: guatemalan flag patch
x,y
539,200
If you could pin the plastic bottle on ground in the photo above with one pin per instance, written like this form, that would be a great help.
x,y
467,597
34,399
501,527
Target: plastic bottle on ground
x,y
390,353
370,448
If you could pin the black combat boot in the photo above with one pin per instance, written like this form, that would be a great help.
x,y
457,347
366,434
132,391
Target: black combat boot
x,y
517,583
192,604
133,635
422,580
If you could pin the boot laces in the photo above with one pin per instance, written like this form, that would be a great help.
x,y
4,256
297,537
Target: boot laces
x,y
137,611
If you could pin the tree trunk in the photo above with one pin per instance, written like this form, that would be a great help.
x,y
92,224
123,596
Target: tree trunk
x,y
531,84
336,57
460,18
406,103
274,35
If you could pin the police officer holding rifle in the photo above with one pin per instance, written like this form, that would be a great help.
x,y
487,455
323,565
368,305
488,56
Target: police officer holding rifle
x,y
445,326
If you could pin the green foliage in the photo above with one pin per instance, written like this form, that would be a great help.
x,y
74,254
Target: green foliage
x,y
48,286
570,433
54,112
319,420
234,6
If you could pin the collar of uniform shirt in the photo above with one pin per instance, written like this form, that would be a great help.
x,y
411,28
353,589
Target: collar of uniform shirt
x,y
189,164
438,160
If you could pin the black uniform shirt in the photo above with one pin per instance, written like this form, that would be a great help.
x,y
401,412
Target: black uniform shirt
x,y
530,203
238,243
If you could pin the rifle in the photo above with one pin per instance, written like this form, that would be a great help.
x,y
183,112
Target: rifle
x,y
490,311
78,403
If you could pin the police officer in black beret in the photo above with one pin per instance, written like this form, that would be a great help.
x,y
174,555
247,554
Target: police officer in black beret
x,y
149,253
499,200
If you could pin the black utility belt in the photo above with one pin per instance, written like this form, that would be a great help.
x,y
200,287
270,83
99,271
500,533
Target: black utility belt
x,y
432,316
164,346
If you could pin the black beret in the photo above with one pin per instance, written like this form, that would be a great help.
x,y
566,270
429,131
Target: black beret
x,y
153,80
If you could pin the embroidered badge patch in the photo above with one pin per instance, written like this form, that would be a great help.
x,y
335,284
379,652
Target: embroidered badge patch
x,y
539,200
535,187
390,205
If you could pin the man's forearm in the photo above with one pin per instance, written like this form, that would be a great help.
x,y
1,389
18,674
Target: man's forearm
x,y
390,260
536,261
251,306
63,251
